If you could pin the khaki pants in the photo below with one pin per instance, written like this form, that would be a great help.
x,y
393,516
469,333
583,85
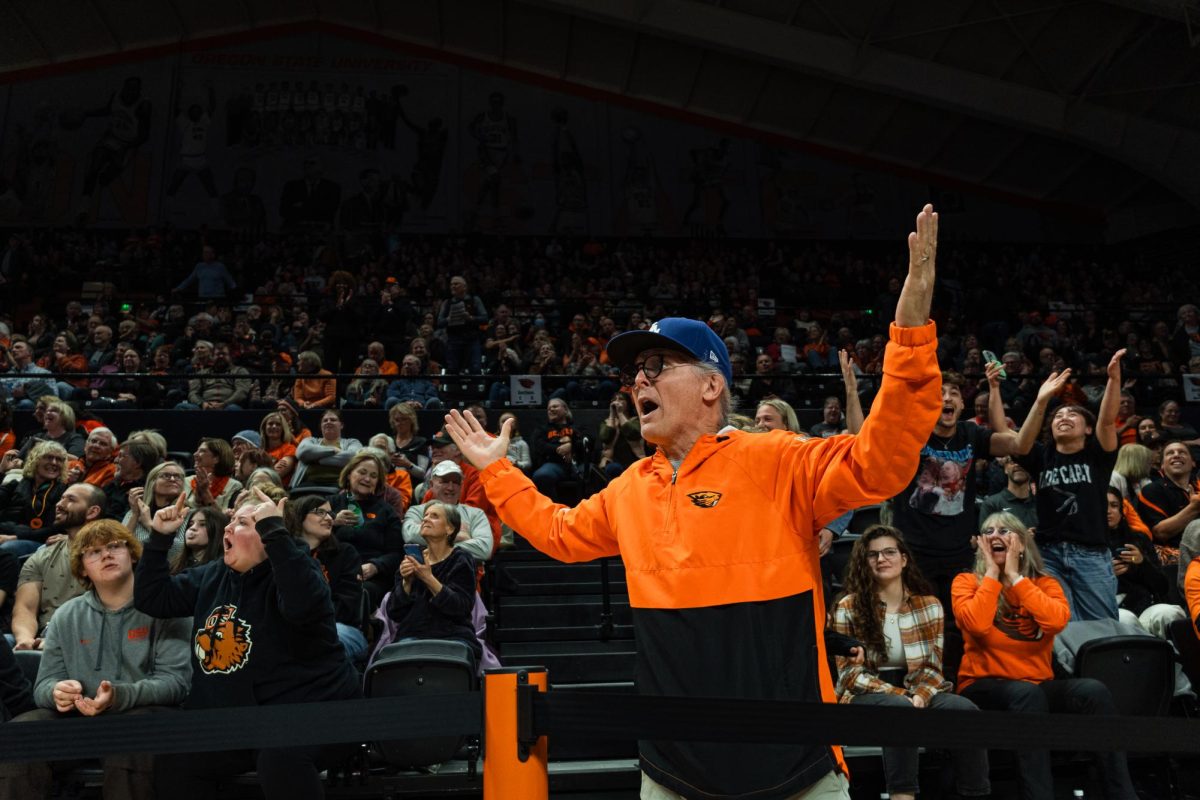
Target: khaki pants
x,y
833,786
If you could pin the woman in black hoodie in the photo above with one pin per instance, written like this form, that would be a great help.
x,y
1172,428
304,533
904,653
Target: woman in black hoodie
x,y
264,634
1141,585
27,506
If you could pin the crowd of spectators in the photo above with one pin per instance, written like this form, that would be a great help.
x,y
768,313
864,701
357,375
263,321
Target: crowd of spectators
x,y
181,322
403,520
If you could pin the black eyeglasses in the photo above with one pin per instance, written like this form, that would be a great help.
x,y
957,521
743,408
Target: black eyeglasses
x,y
651,366
887,553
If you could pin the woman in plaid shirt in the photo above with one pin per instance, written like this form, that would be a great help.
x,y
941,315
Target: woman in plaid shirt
x,y
891,609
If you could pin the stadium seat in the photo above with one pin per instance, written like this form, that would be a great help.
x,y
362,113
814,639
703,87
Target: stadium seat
x,y
29,661
427,666
1138,670
297,492
183,457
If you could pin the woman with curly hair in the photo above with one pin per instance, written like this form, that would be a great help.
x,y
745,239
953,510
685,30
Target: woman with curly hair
x,y
890,607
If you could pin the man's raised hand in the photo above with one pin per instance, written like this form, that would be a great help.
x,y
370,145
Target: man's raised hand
x,y
912,309
479,447
168,518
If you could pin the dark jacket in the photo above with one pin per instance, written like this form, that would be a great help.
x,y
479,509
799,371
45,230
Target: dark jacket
x,y
21,504
1142,584
546,440
421,614
380,539
341,566
263,636
117,493
16,693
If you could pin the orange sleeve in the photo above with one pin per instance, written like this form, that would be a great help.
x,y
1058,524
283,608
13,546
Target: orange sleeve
x,y
1134,519
581,533
326,392
402,483
102,475
1191,590
974,601
1045,601
7,440
877,463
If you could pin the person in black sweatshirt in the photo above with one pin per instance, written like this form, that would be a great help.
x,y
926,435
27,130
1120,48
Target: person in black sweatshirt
x,y
16,693
434,595
264,634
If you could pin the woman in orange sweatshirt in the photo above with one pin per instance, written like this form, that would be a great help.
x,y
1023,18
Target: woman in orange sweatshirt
x,y
1009,611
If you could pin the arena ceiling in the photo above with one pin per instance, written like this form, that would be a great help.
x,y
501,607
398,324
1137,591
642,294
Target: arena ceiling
x,y
1081,106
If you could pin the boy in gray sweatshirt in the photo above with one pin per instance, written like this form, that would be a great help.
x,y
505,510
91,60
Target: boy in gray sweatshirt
x,y
103,656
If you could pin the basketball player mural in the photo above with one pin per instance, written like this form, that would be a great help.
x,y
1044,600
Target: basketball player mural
x,y
194,123
128,114
498,149
570,182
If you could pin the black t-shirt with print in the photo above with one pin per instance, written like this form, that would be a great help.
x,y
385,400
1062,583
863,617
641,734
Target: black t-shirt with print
x,y
1072,492
936,512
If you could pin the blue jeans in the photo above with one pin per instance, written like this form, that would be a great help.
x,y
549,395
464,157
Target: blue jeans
x,y
187,405
547,477
353,641
20,547
1086,576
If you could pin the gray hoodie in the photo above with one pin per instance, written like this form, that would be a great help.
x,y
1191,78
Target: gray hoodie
x,y
147,660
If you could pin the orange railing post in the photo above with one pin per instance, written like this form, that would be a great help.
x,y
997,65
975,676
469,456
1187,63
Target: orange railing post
x,y
512,766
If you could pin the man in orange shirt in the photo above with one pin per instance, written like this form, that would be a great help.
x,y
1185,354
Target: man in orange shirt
x,y
97,466
376,351
719,534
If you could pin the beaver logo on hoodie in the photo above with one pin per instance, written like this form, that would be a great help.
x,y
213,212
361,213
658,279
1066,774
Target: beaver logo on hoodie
x,y
223,644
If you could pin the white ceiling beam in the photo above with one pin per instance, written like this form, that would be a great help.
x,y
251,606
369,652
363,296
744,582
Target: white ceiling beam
x,y
1164,151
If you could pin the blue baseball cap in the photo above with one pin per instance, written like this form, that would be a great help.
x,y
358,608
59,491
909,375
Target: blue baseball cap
x,y
249,437
689,336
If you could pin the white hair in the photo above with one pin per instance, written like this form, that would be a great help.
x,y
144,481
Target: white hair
x,y
725,401
112,437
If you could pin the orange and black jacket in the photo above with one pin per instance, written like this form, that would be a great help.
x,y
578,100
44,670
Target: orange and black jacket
x,y
722,566
1191,590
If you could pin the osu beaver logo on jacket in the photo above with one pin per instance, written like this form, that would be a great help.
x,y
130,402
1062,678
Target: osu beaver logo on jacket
x,y
223,644
705,499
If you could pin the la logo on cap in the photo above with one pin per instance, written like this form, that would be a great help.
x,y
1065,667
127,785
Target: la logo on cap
x,y
654,328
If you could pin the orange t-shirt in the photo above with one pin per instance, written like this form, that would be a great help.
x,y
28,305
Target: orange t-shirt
x,y
100,474
400,481
283,451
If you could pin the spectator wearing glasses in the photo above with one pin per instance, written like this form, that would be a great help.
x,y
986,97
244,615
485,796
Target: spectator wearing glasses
x,y
102,656
311,520
164,485
1009,610
27,506
889,607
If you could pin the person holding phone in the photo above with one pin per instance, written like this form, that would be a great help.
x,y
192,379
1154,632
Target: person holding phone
x,y
434,594
1141,585
890,607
